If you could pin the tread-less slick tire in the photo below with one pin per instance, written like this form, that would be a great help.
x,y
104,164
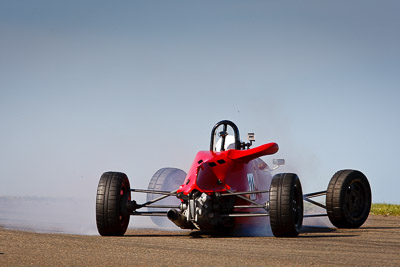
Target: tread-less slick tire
x,y
286,205
348,199
113,194
165,179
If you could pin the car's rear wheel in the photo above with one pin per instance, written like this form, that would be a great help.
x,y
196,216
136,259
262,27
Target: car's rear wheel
x,y
348,199
286,205
165,179
113,194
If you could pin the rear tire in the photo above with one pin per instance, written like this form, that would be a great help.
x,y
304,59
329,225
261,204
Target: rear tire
x,y
286,205
113,194
165,179
348,199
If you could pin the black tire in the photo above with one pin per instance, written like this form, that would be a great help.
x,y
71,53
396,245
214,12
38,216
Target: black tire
x,y
286,205
113,194
348,199
165,179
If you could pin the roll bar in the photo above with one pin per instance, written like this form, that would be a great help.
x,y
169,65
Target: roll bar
x,y
224,133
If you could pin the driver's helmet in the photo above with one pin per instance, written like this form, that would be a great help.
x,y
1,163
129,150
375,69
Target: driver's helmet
x,y
229,143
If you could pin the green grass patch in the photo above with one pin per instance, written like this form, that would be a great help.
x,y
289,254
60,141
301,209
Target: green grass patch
x,y
385,209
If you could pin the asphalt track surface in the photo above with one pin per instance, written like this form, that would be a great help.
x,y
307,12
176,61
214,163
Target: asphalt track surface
x,y
376,243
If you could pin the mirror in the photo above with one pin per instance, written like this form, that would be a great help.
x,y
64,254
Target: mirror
x,y
278,162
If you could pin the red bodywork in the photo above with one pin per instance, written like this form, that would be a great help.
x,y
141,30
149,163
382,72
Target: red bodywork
x,y
218,171
233,170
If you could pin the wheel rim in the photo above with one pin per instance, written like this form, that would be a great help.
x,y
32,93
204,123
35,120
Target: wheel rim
x,y
124,196
296,207
355,199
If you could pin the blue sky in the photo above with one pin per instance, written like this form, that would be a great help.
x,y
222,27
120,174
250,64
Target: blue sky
x,y
134,86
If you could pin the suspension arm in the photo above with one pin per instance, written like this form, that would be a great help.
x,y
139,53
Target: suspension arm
x,y
316,194
243,193
167,193
245,198
307,197
172,193
149,213
245,215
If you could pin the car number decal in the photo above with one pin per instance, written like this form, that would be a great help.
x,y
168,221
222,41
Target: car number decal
x,y
252,187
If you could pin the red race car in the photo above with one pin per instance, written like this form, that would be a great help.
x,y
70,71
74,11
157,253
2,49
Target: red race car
x,y
227,187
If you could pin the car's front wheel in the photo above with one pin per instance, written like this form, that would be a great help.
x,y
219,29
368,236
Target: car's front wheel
x,y
286,205
113,195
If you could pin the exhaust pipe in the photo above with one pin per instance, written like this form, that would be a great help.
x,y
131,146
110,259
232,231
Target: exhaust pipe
x,y
179,219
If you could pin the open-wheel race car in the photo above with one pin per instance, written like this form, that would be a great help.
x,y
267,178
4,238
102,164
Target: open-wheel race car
x,y
227,187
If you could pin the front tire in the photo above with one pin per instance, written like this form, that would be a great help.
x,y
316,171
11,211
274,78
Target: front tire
x,y
113,194
348,199
286,205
